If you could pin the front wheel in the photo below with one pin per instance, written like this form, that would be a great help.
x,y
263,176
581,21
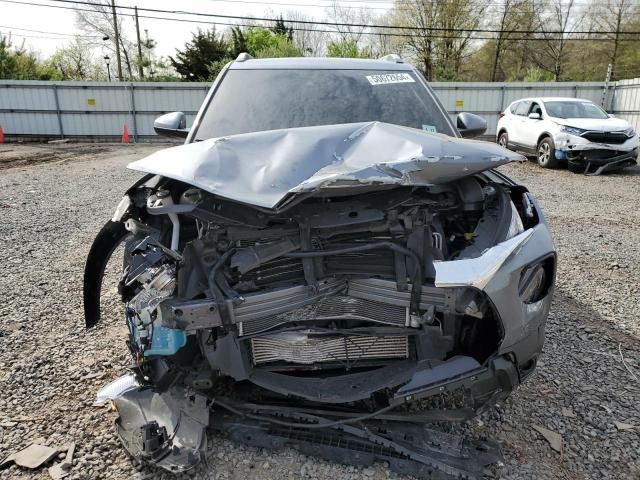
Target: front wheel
x,y
546,153
503,140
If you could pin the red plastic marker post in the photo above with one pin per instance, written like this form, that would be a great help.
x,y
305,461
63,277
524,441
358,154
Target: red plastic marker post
x,y
125,134
1,135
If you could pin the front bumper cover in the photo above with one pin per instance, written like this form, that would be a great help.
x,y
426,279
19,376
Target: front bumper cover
x,y
584,156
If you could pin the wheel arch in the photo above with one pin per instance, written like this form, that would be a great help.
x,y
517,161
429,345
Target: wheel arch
x,y
542,136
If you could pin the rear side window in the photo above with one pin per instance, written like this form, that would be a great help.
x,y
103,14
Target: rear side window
x,y
523,108
513,107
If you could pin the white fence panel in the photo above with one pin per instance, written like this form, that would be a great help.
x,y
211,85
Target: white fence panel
x,y
101,109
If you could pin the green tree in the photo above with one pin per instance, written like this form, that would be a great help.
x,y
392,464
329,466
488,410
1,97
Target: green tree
x,y
205,48
347,49
258,39
280,28
16,63
281,47
76,62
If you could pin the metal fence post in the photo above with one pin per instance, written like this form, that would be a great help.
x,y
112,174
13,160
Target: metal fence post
x,y
503,87
58,112
133,115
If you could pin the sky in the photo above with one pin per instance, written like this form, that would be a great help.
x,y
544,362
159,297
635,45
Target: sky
x,y
169,35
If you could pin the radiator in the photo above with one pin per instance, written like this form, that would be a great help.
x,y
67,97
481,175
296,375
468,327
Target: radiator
x,y
305,348
335,307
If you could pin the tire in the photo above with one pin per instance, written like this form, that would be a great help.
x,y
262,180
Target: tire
x,y
546,153
503,139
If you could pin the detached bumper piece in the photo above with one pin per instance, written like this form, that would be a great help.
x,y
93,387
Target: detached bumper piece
x,y
167,429
597,161
409,448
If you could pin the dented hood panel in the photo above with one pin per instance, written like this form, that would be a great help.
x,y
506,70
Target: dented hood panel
x,y
263,168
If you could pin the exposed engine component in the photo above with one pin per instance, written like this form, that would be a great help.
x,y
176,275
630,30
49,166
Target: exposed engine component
x,y
337,303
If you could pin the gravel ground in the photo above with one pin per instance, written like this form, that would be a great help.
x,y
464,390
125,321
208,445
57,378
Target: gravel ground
x,y
51,368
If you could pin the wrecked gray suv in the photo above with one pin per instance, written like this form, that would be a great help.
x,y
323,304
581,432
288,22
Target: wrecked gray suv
x,y
324,264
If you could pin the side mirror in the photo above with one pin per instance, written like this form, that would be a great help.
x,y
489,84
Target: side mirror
x,y
534,116
172,124
470,125
611,115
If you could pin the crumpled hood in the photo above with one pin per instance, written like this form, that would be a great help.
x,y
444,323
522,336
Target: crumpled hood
x,y
263,168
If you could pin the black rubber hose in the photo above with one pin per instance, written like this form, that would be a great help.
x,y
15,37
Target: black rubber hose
x,y
213,285
416,289
361,418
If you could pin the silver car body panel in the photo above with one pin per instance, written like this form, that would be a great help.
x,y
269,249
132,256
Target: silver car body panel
x,y
263,168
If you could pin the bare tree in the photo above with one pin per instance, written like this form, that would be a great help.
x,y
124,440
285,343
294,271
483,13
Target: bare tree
x,y
614,16
556,23
440,34
344,15
512,15
99,20
309,38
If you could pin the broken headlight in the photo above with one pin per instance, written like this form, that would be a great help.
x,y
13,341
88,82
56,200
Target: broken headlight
x,y
571,130
533,283
515,226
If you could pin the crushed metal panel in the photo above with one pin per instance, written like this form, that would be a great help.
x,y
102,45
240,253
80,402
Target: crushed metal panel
x,y
262,168
167,429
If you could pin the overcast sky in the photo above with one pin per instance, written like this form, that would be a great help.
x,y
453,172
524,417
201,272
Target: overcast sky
x,y
168,34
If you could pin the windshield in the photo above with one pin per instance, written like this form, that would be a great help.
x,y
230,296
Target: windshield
x,y
258,100
575,110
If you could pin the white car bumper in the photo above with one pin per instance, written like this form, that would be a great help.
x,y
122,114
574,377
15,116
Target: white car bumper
x,y
583,155
566,142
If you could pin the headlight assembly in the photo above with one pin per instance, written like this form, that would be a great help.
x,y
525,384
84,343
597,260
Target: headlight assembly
x,y
629,132
571,130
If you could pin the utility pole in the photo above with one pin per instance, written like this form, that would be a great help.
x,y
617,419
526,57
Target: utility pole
x,y
607,80
140,69
117,35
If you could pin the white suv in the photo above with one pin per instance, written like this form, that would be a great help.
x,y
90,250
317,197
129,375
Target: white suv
x,y
559,130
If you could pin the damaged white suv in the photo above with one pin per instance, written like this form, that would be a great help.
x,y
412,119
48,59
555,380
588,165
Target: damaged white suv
x,y
571,130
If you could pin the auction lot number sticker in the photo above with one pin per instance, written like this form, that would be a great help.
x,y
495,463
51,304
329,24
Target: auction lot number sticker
x,y
387,78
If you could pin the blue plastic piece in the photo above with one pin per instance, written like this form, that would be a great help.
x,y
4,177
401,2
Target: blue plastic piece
x,y
561,155
166,341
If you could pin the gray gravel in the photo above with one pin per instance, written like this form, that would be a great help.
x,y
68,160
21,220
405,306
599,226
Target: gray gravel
x,y
51,368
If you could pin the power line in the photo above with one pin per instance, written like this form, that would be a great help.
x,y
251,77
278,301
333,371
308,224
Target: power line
x,y
48,33
22,35
295,28
357,25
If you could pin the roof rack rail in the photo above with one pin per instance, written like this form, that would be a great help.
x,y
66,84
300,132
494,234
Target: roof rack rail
x,y
242,57
392,57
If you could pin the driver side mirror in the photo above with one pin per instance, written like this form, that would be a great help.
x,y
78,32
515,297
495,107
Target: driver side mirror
x,y
172,124
534,116
470,125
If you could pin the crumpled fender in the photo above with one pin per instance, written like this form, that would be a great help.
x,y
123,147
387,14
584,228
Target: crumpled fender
x,y
107,240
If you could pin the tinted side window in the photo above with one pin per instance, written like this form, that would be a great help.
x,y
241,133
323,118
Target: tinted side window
x,y
523,108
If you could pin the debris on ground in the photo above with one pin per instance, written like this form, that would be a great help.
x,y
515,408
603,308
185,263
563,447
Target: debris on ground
x,y
31,457
554,439
61,470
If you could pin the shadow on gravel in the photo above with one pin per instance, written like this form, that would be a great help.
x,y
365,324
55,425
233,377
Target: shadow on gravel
x,y
585,316
581,390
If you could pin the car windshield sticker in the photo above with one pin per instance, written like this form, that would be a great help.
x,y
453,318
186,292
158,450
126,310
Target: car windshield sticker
x,y
386,78
429,128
